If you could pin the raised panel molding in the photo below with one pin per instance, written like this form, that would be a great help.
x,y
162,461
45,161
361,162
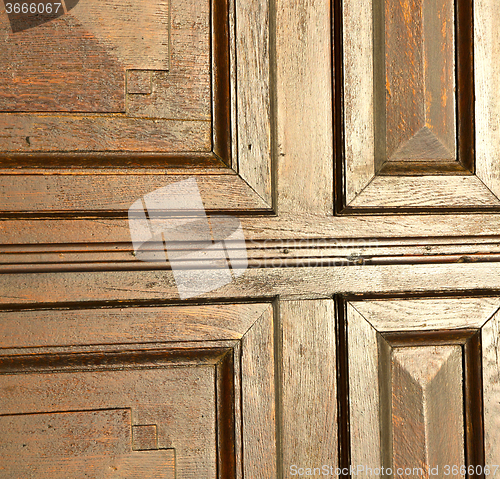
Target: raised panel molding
x,y
416,387
197,400
416,106
190,97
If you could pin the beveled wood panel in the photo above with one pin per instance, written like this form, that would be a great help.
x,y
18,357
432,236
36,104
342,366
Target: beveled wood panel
x,y
415,389
197,402
190,96
419,86
427,415
407,101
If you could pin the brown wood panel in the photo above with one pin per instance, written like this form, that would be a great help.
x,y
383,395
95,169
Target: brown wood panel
x,y
427,411
75,68
405,89
417,393
419,69
182,395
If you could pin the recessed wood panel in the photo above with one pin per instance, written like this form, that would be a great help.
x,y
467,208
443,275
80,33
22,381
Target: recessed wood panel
x,y
189,394
427,415
415,389
419,71
45,446
179,399
109,76
406,92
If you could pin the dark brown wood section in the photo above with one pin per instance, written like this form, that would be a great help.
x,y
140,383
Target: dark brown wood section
x,y
424,89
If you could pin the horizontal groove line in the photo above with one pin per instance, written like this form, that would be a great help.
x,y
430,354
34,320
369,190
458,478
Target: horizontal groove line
x,y
340,261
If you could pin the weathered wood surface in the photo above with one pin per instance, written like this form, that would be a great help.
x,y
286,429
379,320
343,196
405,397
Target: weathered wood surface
x,y
490,335
419,68
426,231
417,387
67,80
45,446
427,411
179,394
255,53
308,384
304,116
364,399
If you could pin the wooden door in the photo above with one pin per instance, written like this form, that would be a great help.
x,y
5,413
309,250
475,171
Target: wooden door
x,y
356,145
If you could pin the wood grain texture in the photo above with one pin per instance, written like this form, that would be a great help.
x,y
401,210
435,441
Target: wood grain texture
x,y
358,96
184,91
30,329
272,253
408,102
156,396
304,113
427,384
260,453
289,283
487,80
425,191
427,411
364,392
420,86
117,193
490,335
45,445
51,133
427,314
425,231
254,55
308,384
193,368
81,79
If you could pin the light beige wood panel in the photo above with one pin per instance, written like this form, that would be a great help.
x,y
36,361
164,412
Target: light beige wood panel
x,y
427,415
259,399
487,80
425,191
490,335
304,113
155,396
427,314
358,96
423,230
364,399
308,384
289,283
254,116
419,71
